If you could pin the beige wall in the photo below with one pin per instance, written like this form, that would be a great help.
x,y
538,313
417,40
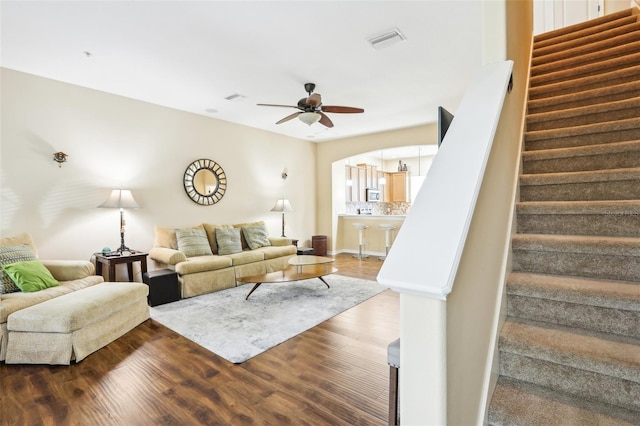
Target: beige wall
x,y
115,142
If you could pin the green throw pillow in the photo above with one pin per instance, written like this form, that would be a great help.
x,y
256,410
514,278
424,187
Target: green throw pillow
x,y
30,275
228,240
256,236
12,254
193,242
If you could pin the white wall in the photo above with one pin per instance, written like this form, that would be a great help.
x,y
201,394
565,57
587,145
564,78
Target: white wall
x,y
115,142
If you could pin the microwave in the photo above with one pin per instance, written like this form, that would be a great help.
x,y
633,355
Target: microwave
x,y
373,195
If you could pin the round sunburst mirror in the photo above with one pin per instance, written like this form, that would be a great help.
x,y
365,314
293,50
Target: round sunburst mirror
x,y
205,182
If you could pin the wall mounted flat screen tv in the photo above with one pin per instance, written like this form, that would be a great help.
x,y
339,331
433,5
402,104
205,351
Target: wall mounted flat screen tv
x,y
444,121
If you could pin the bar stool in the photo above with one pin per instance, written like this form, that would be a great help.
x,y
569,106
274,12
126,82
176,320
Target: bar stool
x,y
388,229
360,227
393,359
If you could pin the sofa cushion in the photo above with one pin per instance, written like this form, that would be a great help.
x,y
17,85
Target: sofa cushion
x,y
203,264
277,251
11,254
193,242
166,237
256,236
210,229
228,240
247,256
30,276
243,240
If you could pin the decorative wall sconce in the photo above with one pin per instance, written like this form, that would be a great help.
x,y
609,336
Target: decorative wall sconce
x,y
60,157
285,173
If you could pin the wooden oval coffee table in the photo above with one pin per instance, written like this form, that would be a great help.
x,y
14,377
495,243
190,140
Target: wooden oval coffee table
x,y
302,268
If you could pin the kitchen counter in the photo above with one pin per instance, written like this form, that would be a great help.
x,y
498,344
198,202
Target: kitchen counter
x,y
374,216
374,236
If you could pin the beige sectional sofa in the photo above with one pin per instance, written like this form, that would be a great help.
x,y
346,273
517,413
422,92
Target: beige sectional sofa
x,y
217,269
72,275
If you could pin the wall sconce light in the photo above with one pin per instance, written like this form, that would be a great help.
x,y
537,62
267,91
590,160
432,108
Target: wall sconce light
x,y
60,157
285,173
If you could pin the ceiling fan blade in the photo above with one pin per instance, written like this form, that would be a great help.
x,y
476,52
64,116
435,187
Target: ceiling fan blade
x,y
325,120
314,99
289,117
341,109
285,106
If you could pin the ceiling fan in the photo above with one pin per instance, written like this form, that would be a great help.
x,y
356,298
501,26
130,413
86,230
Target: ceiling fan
x,y
312,110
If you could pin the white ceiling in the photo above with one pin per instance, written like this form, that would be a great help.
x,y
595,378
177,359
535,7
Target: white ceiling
x,y
191,55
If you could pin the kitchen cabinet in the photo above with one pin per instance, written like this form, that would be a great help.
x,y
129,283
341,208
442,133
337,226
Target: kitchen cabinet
x,y
400,187
371,175
356,191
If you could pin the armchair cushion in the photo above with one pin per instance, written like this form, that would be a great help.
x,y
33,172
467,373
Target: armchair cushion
x,y
30,275
69,270
11,254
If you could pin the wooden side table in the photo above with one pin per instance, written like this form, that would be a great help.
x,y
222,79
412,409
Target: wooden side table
x,y
112,261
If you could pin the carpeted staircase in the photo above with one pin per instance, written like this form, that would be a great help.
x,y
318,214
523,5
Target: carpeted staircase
x,y
570,348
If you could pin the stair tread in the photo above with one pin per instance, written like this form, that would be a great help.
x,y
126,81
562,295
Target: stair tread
x,y
600,108
588,244
559,100
581,151
588,60
625,26
579,29
593,69
580,176
608,126
608,207
585,81
591,291
517,402
590,351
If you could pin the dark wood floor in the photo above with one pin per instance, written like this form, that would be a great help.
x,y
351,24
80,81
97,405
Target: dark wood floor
x,y
336,373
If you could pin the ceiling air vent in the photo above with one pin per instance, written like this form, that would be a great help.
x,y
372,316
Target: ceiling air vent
x,y
235,97
387,39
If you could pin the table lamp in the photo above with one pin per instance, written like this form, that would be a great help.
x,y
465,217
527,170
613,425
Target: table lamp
x,y
282,205
121,199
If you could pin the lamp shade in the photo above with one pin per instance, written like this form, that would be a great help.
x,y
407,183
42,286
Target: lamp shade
x,y
309,117
282,205
120,199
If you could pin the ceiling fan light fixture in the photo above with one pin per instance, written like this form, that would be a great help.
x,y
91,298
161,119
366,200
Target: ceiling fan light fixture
x,y
387,39
309,118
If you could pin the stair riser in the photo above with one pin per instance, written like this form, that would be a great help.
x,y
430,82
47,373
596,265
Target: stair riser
x,y
613,225
570,87
572,60
583,384
543,55
582,101
604,161
594,70
587,317
587,265
583,140
583,29
600,117
592,191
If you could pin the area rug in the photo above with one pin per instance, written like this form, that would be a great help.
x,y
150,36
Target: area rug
x,y
238,329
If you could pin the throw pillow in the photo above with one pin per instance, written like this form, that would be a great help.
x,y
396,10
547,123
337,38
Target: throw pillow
x,y
30,275
228,240
256,236
12,254
193,242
